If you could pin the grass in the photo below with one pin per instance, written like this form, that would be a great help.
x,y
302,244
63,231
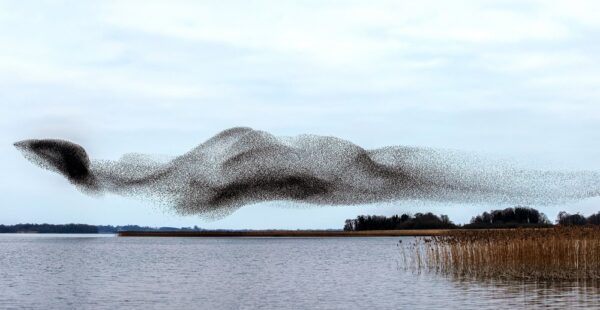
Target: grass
x,y
567,253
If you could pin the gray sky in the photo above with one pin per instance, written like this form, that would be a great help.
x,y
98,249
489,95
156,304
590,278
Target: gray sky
x,y
510,78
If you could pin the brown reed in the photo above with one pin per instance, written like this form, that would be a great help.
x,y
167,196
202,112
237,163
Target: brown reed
x,y
567,253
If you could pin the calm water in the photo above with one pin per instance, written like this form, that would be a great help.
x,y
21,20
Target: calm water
x,y
58,272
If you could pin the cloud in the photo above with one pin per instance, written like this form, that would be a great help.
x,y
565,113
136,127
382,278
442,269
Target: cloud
x,y
189,50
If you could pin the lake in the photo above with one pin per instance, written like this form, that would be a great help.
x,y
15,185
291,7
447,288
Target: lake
x,y
108,272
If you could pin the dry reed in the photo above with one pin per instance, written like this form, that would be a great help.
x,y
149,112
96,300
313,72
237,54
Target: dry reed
x,y
567,253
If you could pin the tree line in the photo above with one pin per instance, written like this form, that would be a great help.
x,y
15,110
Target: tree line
x,y
567,219
84,228
518,216
49,228
514,217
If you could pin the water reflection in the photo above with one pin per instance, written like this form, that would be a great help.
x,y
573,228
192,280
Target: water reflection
x,y
491,293
583,294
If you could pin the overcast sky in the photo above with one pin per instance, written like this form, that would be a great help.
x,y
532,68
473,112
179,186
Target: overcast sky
x,y
511,78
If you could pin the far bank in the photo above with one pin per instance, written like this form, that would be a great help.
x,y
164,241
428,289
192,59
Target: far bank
x,y
288,233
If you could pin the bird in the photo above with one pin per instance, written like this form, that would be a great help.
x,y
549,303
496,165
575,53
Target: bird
x,y
241,165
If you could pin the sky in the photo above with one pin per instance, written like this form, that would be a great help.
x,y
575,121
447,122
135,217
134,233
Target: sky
x,y
516,79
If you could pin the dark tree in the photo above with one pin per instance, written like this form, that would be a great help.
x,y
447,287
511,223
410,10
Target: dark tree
x,y
594,219
566,219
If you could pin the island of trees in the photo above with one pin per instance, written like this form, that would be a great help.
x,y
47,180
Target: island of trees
x,y
404,221
510,218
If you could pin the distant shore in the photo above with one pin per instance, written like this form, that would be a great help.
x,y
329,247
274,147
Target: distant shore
x,y
287,233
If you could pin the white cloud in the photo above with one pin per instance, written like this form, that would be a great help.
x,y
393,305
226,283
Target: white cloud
x,y
140,48
521,62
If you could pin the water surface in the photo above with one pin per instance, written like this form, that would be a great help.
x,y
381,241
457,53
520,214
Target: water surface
x,y
96,272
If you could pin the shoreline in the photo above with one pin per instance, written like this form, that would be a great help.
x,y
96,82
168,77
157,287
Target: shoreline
x,y
288,233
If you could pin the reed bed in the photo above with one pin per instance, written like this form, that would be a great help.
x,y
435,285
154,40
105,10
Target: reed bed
x,y
566,253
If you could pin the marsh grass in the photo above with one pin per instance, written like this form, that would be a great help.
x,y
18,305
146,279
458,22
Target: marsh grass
x,y
567,253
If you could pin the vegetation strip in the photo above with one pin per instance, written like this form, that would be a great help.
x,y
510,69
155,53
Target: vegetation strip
x,y
285,233
566,253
